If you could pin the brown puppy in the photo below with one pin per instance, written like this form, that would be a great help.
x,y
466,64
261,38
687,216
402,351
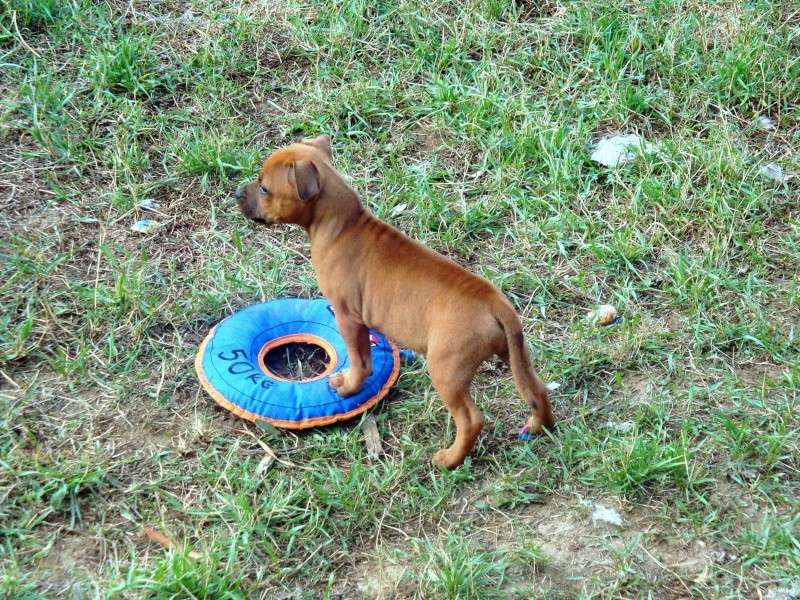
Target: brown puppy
x,y
375,276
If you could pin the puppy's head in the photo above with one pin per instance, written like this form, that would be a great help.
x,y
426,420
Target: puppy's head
x,y
290,181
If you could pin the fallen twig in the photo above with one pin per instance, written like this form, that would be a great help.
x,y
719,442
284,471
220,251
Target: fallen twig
x,y
372,437
270,451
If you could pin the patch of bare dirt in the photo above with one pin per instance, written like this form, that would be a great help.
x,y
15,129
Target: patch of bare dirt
x,y
429,141
574,545
638,388
383,580
24,195
71,559
756,374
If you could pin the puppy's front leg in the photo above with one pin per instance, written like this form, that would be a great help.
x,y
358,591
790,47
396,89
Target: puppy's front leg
x,y
356,337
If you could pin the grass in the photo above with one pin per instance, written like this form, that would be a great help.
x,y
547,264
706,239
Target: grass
x,y
469,126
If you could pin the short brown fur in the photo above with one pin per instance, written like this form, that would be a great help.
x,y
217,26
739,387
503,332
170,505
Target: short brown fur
x,y
375,276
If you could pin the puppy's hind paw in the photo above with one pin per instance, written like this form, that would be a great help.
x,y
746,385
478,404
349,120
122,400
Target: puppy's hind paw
x,y
533,426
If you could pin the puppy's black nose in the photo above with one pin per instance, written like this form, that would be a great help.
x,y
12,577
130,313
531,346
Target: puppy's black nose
x,y
238,192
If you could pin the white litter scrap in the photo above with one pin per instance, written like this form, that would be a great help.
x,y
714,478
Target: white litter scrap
x,y
765,123
603,514
398,209
145,226
149,204
605,314
619,149
773,172
622,427
784,593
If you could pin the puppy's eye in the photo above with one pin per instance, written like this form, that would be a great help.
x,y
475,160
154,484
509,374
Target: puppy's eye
x,y
263,190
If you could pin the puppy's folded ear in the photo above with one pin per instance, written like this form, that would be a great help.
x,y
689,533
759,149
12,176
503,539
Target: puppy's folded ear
x,y
303,175
323,143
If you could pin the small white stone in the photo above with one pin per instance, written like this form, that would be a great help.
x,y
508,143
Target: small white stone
x,y
619,149
723,556
773,172
765,123
624,426
264,465
603,514
553,386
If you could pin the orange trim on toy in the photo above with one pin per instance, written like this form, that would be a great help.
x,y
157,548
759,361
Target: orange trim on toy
x,y
303,338
316,422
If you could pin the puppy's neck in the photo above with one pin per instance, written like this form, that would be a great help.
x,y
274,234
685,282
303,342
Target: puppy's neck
x,y
336,209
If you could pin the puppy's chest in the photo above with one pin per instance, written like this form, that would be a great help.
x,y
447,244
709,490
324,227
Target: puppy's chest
x,y
339,283
399,318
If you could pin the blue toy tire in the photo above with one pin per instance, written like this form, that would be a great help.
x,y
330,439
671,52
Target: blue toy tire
x,y
230,365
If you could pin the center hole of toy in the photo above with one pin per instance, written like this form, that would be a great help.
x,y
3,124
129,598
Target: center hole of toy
x,y
297,361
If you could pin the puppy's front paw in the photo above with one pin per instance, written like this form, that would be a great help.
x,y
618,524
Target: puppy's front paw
x,y
340,382
444,458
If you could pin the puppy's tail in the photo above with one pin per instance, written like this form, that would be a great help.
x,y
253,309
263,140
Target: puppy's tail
x,y
530,387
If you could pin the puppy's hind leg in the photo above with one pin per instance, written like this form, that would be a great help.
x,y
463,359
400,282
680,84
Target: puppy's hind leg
x,y
452,379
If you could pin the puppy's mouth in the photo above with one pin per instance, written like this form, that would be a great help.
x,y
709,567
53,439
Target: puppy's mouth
x,y
259,220
252,215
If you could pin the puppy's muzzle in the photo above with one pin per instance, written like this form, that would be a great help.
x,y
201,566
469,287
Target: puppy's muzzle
x,y
247,208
